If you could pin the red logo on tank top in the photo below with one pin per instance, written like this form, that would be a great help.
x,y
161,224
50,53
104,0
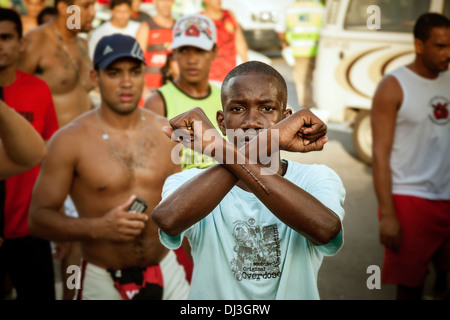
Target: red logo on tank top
x,y
439,113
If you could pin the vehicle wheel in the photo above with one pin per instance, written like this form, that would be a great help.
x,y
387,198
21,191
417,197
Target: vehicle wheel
x,y
362,136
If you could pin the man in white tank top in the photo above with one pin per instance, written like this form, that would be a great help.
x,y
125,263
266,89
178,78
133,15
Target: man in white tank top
x,y
411,162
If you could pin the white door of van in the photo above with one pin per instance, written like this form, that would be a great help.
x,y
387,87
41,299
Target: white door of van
x,y
362,40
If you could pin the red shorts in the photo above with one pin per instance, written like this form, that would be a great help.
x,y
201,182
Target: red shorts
x,y
425,228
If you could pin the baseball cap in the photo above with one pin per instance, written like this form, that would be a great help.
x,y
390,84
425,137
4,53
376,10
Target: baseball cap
x,y
195,30
113,47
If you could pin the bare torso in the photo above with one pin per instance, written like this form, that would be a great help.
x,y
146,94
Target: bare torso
x,y
64,65
102,182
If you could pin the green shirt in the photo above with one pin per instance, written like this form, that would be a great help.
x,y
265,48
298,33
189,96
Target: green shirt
x,y
177,102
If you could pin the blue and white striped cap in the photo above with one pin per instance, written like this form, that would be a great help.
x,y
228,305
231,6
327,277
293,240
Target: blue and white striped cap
x,y
110,48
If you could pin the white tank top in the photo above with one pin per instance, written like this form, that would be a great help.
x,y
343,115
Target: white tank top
x,y
420,158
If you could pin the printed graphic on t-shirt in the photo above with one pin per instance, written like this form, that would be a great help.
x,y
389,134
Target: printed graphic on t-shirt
x,y
257,251
439,112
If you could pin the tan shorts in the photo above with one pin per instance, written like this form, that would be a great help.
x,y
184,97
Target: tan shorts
x,y
97,283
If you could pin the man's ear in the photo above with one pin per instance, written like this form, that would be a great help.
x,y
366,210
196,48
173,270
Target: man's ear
x,y
22,45
287,113
94,77
418,45
221,122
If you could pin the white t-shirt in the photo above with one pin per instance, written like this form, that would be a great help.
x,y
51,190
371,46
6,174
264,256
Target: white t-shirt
x,y
242,251
107,29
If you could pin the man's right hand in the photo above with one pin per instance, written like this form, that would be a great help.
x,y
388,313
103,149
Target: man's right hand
x,y
121,225
390,232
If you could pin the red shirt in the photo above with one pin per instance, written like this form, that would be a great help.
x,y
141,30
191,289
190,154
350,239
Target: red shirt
x,y
159,39
226,47
31,97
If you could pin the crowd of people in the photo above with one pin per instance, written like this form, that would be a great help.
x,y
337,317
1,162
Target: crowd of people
x,y
46,49
108,105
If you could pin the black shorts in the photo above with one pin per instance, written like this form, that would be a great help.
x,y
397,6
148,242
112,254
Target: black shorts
x,y
28,261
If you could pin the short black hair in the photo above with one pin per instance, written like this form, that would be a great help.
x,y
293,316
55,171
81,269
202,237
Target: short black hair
x,y
14,17
255,67
428,21
115,3
47,10
68,2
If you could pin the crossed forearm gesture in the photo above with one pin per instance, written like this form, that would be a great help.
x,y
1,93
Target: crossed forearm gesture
x,y
299,132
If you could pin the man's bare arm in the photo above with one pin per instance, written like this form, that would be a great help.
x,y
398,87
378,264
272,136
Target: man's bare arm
x,y
21,146
182,208
385,104
142,35
30,57
155,103
241,43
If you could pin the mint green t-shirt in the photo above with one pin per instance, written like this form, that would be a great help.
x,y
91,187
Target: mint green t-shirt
x,y
243,251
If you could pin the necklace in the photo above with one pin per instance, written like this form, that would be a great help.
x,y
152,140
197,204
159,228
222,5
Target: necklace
x,y
66,50
105,136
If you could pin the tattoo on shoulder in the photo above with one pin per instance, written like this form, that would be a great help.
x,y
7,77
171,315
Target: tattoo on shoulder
x,y
84,52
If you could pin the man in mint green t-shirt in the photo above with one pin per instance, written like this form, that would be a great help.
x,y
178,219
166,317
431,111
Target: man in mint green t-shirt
x,y
256,231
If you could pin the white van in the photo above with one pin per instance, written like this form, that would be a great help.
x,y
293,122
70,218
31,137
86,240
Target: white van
x,y
258,19
353,56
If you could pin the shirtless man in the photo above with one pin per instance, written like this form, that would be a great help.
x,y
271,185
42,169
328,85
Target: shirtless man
x,y
55,54
104,159
29,21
